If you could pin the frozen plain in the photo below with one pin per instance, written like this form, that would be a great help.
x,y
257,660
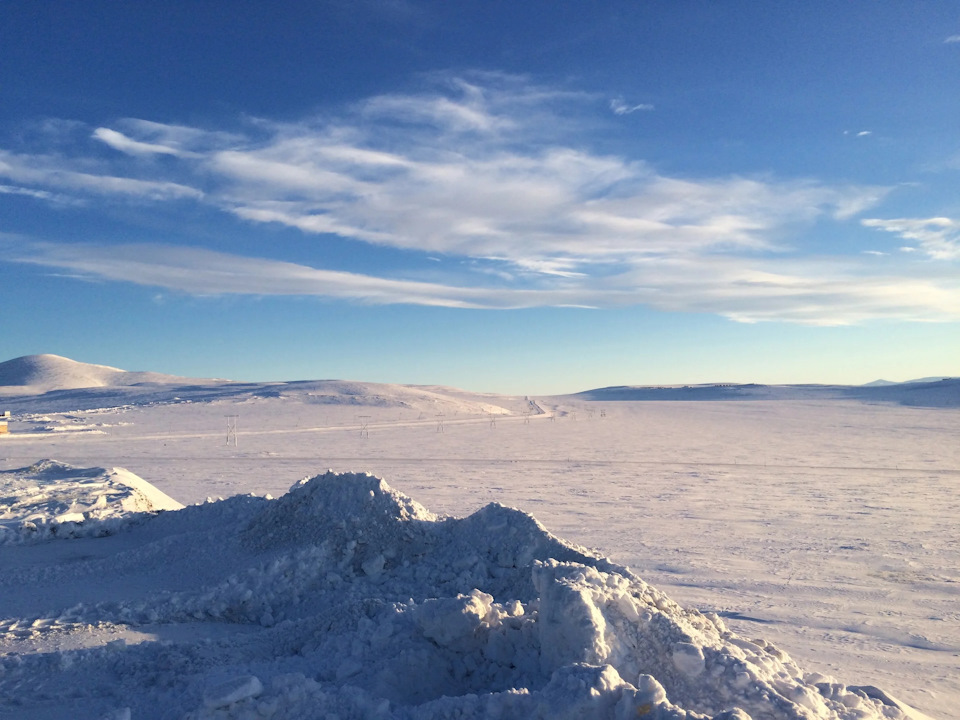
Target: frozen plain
x,y
824,522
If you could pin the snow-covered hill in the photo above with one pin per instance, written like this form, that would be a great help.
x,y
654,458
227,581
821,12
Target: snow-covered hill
x,y
933,393
35,374
881,382
44,383
50,383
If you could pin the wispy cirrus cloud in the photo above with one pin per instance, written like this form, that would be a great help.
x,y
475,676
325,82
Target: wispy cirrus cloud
x,y
27,192
153,138
205,272
938,237
118,141
41,173
485,172
816,292
620,107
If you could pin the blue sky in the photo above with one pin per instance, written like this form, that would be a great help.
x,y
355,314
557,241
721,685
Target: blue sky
x,y
519,197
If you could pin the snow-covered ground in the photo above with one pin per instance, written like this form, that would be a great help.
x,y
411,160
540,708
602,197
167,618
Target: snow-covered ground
x,y
823,521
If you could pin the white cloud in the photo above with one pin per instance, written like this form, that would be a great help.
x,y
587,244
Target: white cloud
x,y
440,195
119,141
181,138
938,237
440,112
464,171
467,107
50,172
204,272
37,194
481,172
953,39
821,291
814,292
620,107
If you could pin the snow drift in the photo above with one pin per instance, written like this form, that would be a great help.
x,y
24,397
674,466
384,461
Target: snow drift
x,y
52,499
346,599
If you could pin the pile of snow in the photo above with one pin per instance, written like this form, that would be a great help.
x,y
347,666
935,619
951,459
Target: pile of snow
x,y
346,599
34,374
51,499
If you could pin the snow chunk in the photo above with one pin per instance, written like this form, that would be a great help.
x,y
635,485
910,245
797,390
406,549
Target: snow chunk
x,y
232,691
688,659
582,691
454,621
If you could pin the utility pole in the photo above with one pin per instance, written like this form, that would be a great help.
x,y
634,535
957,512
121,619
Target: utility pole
x,y
232,429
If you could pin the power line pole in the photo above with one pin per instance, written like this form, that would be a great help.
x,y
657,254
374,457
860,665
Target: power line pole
x,y
232,421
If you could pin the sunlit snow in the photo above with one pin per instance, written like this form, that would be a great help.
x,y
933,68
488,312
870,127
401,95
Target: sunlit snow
x,y
819,519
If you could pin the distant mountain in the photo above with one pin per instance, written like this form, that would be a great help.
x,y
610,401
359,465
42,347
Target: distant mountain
x,y
33,374
886,383
722,391
928,392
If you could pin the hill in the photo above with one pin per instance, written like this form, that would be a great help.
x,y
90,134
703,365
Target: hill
x,y
34,374
919,393
51,383
887,383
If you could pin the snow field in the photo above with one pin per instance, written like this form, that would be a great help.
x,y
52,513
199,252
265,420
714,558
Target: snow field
x,y
356,602
826,526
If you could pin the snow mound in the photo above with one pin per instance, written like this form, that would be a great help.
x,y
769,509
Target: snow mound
x,y
335,508
346,599
52,499
33,374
